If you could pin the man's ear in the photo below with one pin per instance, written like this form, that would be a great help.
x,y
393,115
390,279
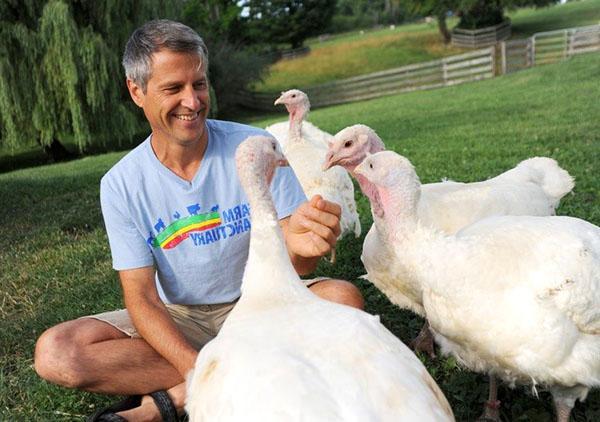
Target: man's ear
x,y
136,92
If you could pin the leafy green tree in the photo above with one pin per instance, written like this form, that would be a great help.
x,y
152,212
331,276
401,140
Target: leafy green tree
x,y
436,8
473,13
287,21
233,65
214,19
352,14
60,73
479,14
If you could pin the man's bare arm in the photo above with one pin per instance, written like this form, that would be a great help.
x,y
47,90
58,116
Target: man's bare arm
x,y
152,320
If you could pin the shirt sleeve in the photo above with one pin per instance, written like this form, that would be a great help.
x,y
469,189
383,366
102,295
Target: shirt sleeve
x,y
128,247
287,192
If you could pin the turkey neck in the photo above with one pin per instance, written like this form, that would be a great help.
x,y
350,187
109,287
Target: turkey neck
x,y
424,250
297,115
368,188
399,211
370,191
269,276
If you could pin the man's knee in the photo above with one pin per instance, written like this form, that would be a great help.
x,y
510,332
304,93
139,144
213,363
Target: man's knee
x,y
54,358
60,352
339,291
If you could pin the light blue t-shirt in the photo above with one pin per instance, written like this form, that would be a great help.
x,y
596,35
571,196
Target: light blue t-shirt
x,y
196,233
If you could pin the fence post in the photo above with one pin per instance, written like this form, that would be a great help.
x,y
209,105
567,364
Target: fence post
x,y
503,50
444,71
570,41
533,51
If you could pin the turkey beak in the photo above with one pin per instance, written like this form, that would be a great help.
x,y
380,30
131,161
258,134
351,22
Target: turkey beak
x,y
360,169
278,101
329,161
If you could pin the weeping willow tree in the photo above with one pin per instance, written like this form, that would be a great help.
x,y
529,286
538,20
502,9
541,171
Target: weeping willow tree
x,y
60,73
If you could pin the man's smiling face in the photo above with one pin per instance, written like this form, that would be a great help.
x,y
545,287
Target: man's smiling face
x,y
176,101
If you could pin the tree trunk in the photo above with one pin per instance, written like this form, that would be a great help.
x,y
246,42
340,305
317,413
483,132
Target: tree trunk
x,y
443,27
57,152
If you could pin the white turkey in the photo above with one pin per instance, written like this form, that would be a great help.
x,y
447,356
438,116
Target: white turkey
x,y
284,354
280,130
306,156
515,296
534,187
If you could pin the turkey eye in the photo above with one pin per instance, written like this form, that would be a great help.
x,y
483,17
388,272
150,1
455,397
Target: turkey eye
x,y
294,96
348,144
274,147
371,165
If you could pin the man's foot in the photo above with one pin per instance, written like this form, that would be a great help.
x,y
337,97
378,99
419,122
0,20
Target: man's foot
x,y
156,407
109,414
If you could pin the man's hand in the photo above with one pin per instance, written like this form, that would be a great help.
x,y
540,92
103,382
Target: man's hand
x,y
311,232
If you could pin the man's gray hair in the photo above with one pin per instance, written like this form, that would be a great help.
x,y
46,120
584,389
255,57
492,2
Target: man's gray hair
x,y
154,36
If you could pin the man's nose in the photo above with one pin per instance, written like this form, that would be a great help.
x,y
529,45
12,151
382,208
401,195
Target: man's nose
x,y
190,98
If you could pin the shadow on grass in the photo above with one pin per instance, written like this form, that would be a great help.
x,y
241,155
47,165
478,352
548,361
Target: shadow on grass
x,y
34,156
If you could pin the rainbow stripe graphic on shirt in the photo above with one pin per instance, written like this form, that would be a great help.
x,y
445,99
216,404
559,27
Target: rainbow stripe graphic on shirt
x,y
179,230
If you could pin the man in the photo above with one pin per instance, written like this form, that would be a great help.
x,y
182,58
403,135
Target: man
x,y
177,223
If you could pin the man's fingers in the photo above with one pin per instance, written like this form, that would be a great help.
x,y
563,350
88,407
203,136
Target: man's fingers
x,y
327,219
326,206
330,207
321,246
322,232
314,201
317,201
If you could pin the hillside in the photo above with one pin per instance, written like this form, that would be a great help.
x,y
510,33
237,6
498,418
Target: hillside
x,y
362,52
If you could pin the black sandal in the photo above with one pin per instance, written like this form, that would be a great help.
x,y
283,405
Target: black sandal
x,y
165,405
109,414
163,402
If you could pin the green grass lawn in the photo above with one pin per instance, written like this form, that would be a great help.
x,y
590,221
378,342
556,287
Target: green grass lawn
x,y
527,21
56,263
363,52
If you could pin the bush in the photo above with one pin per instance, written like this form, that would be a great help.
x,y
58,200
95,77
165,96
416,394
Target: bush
x,y
481,15
231,70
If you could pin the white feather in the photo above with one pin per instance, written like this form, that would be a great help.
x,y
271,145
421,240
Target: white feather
x,y
515,296
284,354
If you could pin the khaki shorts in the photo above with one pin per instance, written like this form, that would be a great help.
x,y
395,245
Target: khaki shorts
x,y
199,324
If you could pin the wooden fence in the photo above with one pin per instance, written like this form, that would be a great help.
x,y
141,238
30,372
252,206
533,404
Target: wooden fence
x,y
287,54
295,53
483,37
549,47
543,47
447,71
